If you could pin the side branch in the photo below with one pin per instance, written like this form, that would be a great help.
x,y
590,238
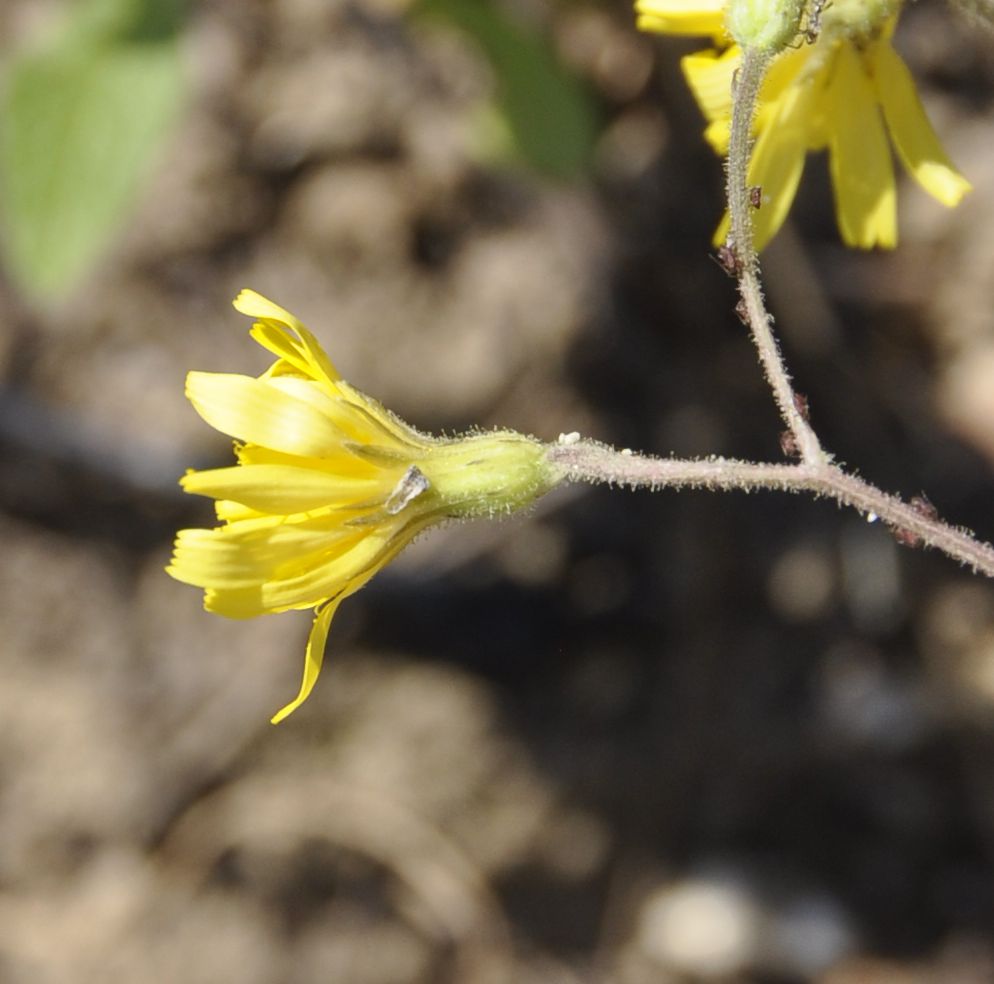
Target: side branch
x,y
587,461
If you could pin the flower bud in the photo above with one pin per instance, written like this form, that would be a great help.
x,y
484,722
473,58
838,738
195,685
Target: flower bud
x,y
485,475
766,25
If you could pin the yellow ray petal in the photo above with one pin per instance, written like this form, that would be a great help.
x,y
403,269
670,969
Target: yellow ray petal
x,y
313,657
861,166
256,411
305,356
345,572
253,304
717,134
233,512
912,133
271,331
227,558
343,406
709,75
783,71
681,16
281,489
239,603
345,462
384,422
307,581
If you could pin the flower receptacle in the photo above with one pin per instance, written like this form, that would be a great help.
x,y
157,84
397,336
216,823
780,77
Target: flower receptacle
x,y
766,25
486,475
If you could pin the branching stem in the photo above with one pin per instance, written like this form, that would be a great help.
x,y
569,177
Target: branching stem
x,y
748,80
913,523
588,461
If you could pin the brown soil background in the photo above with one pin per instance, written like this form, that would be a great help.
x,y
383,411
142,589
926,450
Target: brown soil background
x,y
628,738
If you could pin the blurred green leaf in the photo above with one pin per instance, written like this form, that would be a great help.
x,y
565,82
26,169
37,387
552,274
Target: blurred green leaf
x,y
548,111
80,123
125,20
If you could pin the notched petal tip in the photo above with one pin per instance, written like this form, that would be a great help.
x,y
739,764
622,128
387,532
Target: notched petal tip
x,y
253,304
943,182
275,328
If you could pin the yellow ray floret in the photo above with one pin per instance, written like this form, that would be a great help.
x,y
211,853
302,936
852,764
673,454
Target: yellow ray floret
x,y
328,487
848,93
691,17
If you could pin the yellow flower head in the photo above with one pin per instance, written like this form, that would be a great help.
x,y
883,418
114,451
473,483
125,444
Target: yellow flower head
x,y
847,92
329,485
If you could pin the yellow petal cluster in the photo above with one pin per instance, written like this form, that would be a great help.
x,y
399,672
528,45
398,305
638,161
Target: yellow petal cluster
x,y
847,92
329,485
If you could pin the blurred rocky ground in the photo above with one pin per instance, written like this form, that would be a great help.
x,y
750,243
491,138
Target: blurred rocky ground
x,y
625,739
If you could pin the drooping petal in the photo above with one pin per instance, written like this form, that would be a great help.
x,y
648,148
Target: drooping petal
x,y
681,16
313,657
256,411
283,489
861,166
272,331
912,133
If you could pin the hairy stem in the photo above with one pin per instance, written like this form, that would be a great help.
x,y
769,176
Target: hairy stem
x,y
748,79
588,461
913,523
